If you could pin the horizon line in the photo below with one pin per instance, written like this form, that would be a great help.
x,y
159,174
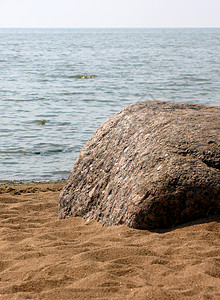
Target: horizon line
x,y
107,27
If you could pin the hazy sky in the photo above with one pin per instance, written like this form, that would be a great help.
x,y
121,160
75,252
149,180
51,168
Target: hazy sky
x,y
109,13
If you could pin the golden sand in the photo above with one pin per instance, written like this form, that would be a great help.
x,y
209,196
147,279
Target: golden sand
x,y
43,258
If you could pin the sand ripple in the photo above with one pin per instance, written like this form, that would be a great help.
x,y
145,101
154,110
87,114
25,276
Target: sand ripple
x,y
43,258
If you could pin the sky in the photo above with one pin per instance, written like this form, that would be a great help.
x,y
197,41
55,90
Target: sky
x,y
109,13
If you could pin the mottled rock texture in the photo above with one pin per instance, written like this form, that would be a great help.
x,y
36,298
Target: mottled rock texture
x,y
153,165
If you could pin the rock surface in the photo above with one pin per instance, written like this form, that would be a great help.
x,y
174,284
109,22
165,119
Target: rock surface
x,y
153,165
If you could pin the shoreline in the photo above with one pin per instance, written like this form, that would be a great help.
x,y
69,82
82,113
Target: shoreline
x,y
20,182
21,187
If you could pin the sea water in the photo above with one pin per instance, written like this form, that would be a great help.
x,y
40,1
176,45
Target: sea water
x,y
57,86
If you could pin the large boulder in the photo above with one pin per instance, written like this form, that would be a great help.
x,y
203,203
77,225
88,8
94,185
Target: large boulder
x,y
153,165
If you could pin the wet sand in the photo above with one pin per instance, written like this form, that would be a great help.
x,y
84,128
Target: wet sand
x,y
43,258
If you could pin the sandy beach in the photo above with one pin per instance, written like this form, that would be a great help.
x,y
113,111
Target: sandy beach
x,y
43,258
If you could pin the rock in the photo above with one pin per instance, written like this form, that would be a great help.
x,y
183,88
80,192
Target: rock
x,y
153,165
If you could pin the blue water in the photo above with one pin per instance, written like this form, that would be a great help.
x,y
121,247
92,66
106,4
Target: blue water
x,y
57,86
